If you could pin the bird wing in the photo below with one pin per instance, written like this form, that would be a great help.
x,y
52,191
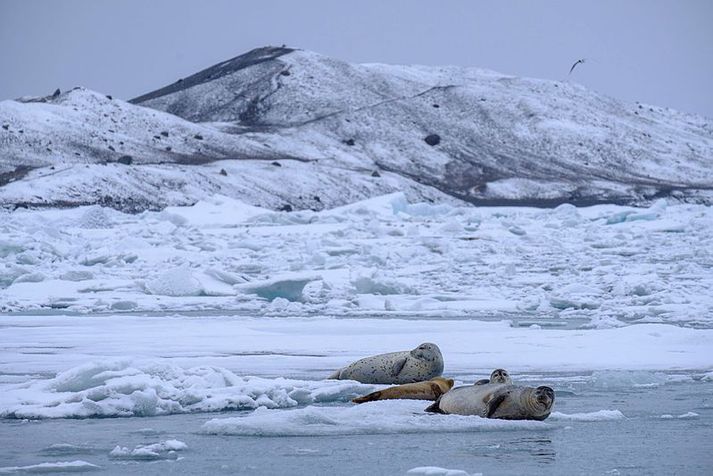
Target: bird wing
x,y
575,64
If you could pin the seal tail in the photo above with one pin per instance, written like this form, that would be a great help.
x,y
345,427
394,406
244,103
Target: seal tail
x,y
335,374
436,407
373,396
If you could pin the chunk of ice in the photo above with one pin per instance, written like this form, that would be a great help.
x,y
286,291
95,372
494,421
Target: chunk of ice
x,y
601,415
437,471
77,466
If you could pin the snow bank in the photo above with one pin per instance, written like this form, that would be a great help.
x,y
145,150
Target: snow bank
x,y
383,417
121,388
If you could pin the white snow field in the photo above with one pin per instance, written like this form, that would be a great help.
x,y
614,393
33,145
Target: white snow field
x,y
210,331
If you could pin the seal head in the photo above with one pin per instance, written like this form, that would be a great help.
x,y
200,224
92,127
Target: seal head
x,y
521,403
500,376
428,352
497,376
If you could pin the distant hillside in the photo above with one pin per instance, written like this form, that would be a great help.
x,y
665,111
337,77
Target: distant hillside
x,y
291,129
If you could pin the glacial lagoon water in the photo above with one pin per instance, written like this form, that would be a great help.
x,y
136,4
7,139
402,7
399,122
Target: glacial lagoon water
x,y
620,421
666,429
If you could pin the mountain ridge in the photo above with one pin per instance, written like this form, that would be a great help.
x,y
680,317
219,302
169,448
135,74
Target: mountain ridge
x,y
441,133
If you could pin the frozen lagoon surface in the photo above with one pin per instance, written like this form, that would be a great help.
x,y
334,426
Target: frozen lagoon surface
x,y
196,340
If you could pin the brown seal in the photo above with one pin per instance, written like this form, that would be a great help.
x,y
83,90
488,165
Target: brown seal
x,y
427,390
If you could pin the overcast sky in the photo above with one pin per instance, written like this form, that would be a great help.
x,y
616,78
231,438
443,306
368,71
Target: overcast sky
x,y
658,52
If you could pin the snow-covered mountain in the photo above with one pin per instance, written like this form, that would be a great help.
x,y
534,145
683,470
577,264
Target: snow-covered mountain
x,y
291,129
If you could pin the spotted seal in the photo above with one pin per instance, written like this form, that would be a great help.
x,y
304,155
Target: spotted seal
x,y
422,363
497,376
504,401
428,390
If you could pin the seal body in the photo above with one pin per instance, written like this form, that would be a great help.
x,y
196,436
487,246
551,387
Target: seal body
x,y
422,363
428,390
496,376
504,401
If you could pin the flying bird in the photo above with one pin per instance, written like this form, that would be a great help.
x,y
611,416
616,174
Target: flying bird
x,y
575,64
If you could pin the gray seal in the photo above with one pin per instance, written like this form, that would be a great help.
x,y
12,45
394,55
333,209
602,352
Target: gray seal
x,y
504,401
497,376
422,363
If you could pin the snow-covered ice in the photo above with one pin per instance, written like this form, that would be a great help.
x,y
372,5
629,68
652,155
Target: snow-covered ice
x,y
202,364
393,416
115,389
604,265
163,450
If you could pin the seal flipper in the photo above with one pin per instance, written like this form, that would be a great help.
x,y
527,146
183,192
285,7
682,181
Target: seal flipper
x,y
495,402
398,366
437,390
373,396
482,381
335,374
436,407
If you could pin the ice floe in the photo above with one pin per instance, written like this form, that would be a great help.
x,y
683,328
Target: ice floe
x,y
683,416
383,417
68,449
438,471
622,379
601,415
77,466
163,450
